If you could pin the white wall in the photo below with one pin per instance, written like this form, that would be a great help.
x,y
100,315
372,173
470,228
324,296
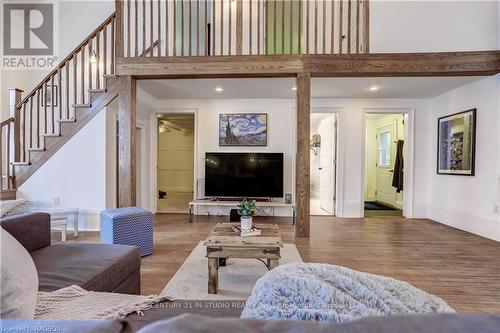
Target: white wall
x,y
351,153
468,203
76,174
281,132
282,138
433,26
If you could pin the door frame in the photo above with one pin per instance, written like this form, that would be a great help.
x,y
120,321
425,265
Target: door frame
x,y
143,185
338,183
409,166
153,151
143,188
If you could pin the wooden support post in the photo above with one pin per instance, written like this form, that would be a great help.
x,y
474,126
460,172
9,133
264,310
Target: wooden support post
x,y
127,142
302,189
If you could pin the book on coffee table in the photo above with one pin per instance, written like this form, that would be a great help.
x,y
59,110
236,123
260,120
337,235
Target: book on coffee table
x,y
254,231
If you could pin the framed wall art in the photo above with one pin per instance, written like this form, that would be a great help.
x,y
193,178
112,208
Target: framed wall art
x,y
243,129
457,144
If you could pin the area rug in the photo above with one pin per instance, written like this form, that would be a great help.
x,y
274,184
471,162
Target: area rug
x,y
236,279
372,205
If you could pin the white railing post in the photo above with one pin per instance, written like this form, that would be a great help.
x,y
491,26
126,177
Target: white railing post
x,y
14,98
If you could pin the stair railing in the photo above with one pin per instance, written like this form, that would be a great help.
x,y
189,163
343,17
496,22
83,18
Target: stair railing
x,y
54,100
6,169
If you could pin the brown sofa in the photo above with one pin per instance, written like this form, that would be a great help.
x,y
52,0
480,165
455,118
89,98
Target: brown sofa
x,y
96,267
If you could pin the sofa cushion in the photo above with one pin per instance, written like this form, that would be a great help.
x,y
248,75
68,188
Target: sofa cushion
x,y
19,282
32,230
95,267
437,323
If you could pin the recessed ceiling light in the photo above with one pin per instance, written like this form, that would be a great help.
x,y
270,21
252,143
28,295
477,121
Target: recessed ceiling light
x,y
374,88
294,88
219,89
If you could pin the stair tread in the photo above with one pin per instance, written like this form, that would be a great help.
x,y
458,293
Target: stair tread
x,y
20,163
49,135
36,149
97,90
82,105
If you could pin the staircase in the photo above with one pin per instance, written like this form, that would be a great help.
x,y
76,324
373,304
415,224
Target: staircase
x,y
64,102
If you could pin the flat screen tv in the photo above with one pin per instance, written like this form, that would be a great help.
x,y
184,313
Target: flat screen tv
x,y
249,175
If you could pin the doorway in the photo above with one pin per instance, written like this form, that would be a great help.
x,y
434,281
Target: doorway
x,y
323,153
175,175
384,164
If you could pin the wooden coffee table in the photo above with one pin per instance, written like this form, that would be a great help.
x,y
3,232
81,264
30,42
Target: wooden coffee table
x,y
223,243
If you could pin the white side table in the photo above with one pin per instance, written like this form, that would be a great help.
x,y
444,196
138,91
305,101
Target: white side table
x,y
59,219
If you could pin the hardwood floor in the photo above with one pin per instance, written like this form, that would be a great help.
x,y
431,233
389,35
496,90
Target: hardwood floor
x,y
462,268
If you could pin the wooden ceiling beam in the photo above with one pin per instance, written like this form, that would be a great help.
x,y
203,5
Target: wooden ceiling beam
x,y
361,65
404,64
211,66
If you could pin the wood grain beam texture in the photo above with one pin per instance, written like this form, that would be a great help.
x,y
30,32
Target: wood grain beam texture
x,y
346,65
127,142
302,178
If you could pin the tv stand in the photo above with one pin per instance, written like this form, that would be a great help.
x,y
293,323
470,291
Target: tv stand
x,y
220,202
239,199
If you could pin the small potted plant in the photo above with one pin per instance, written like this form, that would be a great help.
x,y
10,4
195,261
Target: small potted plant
x,y
246,211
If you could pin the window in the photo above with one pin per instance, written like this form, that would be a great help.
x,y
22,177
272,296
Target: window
x,y
282,17
384,149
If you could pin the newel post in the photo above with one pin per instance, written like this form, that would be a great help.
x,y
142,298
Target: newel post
x,y
14,99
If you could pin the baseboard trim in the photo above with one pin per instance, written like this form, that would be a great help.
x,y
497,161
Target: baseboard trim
x,y
420,210
484,226
351,209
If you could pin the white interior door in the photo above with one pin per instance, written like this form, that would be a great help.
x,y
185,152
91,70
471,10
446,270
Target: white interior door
x,y
386,153
327,164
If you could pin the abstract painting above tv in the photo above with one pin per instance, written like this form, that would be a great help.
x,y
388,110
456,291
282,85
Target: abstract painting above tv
x,y
243,129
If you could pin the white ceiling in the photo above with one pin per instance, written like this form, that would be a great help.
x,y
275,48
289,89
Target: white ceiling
x,y
389,87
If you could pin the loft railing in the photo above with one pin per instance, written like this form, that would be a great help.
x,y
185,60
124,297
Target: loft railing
x,y
241,27
54,100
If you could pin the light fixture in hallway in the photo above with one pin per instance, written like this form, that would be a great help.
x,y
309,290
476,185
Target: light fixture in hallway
x,y
219,89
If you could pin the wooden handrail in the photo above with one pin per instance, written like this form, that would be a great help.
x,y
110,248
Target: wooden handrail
x,y
7,121
149,49
67,59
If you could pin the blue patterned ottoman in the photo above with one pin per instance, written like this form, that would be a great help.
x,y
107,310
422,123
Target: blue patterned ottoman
x,y
128,226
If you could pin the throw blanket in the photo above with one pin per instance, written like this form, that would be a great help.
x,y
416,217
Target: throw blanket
x,y
335,294
75,303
